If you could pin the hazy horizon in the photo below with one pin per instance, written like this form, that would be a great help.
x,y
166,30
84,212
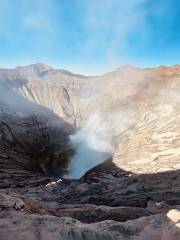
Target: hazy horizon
x,y
86,74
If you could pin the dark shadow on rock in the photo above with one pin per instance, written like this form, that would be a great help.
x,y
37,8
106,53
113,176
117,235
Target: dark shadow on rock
x,y
107,192
33,140
118,187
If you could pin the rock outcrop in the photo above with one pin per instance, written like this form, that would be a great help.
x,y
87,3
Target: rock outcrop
x,y
133,195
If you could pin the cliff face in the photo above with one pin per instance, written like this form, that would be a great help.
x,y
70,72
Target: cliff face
x,y
134,111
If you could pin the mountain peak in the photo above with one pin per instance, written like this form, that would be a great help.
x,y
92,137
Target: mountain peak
x,y
37,67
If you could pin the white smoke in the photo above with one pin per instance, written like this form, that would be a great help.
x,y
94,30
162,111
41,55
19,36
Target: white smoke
x,y
92,147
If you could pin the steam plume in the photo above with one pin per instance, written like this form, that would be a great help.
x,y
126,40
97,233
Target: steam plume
x,y
92,147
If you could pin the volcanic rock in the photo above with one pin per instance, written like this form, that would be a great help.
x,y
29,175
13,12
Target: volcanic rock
x,y
133,195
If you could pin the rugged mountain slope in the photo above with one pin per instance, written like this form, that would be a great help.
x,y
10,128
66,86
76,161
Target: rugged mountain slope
x,y
134,111
138,108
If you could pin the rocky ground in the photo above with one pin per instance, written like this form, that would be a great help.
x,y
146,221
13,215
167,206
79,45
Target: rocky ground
x,y
133,195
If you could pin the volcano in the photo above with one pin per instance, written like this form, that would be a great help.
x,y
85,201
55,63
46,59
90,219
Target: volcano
x,y
89,157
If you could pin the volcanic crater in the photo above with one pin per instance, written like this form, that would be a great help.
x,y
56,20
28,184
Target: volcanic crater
x,y
89,157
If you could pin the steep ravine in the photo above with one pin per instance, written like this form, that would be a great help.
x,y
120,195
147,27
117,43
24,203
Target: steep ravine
x,y
134,194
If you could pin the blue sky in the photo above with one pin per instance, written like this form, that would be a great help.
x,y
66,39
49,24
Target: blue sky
x,y
89,36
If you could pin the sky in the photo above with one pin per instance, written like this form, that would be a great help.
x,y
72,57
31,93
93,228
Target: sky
x,y
89,36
